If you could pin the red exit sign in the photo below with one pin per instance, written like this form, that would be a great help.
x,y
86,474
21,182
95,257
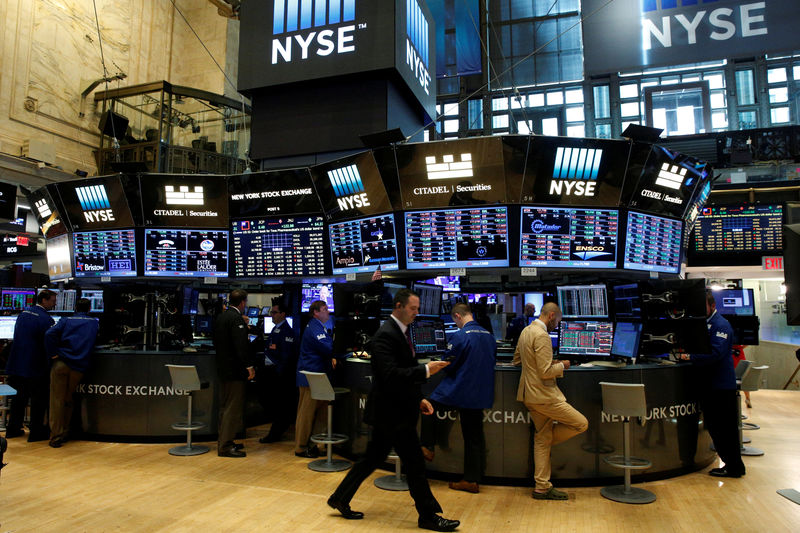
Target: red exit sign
x,y
772,262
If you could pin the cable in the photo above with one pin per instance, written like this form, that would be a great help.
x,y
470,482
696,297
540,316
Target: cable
x,y
115,142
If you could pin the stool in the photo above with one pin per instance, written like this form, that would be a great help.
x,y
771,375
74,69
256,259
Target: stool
x,y
5,392
750,382
626,400
396,481
321,390
184,377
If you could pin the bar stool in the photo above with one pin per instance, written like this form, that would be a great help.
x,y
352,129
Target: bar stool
x,y
626,400
5,392
184,377
750,382
397,481
322,390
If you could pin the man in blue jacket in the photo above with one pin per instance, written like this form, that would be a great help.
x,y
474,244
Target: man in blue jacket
x,y
468,386
519,323
316,355
716,382
69,344
28,368
280,360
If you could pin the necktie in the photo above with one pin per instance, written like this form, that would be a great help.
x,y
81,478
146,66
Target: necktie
x,y
410,344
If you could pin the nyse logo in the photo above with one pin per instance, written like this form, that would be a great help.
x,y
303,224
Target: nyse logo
x,y
298,18
575,171
671,176
449,168
348,187
662,26
95,204
417,48
43,208
183,196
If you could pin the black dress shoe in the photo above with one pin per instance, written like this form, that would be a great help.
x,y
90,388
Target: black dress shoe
x,y
309,453
344,508
56,443
233,452
437,523
11,433
238,446
266,439
724,472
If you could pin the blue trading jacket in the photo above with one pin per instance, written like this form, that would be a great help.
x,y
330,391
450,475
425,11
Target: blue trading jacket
x,y
284,355
72,340
469,378
716,369
28,357
316,351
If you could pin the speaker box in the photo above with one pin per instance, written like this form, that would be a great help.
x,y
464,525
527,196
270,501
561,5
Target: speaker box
x,y
113,125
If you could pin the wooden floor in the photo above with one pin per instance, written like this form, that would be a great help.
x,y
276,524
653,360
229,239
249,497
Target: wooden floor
x,y
90,486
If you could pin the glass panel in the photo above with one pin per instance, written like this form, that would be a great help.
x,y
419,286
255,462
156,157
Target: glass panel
x,y
715,81
523,127
451,109
630,109
576,131
693,77
500,121
498,104
518,103
426,135
602,101
573,96
796,72
747,120
451,126
571,65
776,75
745,87
719,119
475,109
717,100
630,90
555,98
679,111
575,114
778,95
626,123
602,131
550,127
536,100
779,115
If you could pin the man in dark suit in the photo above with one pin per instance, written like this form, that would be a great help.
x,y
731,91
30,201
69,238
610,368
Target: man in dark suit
x,y
234,368
393,407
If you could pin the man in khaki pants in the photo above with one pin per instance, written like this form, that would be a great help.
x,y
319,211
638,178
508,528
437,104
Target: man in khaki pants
x,y
546,403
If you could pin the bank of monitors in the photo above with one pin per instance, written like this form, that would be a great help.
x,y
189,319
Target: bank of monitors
x,y
7,325
104,253
428,336
59,258
312,292
17,299
585,338
735,302
430,299
568,237
583,301
653,243
279,246
65,300
458,237
736,234
364,244
183,252
627,336
95,298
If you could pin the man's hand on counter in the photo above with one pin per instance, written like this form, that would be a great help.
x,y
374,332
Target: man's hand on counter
x,y
435,366
565,362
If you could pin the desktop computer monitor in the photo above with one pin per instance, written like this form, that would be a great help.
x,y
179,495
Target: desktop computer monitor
x,y
585,338
627,336
428,336
7,324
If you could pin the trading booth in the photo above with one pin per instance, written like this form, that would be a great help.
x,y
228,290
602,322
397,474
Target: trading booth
x,y
599,226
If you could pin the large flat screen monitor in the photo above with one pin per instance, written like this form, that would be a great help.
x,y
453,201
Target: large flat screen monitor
x,y
448,283
364,244
627,336
7,325
464,237
568,237
65,300
430,298
428,336
59,258
583,301
627,301
736,234
193,253
585,338
95,298
735,302
653,243
312,292
17,299
279,246
105,253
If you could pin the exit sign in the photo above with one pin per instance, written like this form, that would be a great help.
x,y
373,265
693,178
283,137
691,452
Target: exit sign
x,y
772,262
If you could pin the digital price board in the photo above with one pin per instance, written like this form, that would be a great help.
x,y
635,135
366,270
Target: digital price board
x,y
739,228
279,246
192,253
104,253
653,243
59,257
568,237
464,237
363,245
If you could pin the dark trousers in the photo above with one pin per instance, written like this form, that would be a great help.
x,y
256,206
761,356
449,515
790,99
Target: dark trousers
x,y
37,390
721,418
63,382
472,433
231,413
406,444
282,400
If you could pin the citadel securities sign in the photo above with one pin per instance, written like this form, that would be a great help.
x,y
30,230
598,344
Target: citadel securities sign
x,y
632,34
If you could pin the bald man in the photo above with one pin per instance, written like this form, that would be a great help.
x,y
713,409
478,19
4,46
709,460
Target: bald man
x,y
542,397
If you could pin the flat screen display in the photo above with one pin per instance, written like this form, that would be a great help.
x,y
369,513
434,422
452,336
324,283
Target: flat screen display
x,y
585,338
627,301
364,244
105,253
7,325
65,300
583,301
627,336
448,283
312,292
170,200
351,187
463,237
191,253
97,203
59,258
738,228
568,237
430,298
46,212
428,336
279,246
95,298
730,302
17,299
284,192
653,243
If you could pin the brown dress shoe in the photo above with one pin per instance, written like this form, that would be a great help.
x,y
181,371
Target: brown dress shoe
x,y
427,453
466,486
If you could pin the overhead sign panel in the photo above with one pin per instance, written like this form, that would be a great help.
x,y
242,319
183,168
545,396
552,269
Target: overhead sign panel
x,y
285,192
351,187
97,203
171,200
633,34
46,213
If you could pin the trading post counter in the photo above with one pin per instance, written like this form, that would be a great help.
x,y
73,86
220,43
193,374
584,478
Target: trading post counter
x,y
673,437
129,394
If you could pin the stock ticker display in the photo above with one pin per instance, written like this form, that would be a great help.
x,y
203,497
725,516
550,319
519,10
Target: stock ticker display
x,y
191,253
279,246
364,244
105,253
568,238
465,237
653,243
590,338
739,228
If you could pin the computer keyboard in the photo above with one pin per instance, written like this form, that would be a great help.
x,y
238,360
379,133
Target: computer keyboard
x,y
609,364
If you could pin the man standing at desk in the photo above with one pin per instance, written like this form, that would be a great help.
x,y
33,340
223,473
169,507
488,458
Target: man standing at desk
x,y
393,408
716,382
29,368
280,364
542,397
518,323
234,369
